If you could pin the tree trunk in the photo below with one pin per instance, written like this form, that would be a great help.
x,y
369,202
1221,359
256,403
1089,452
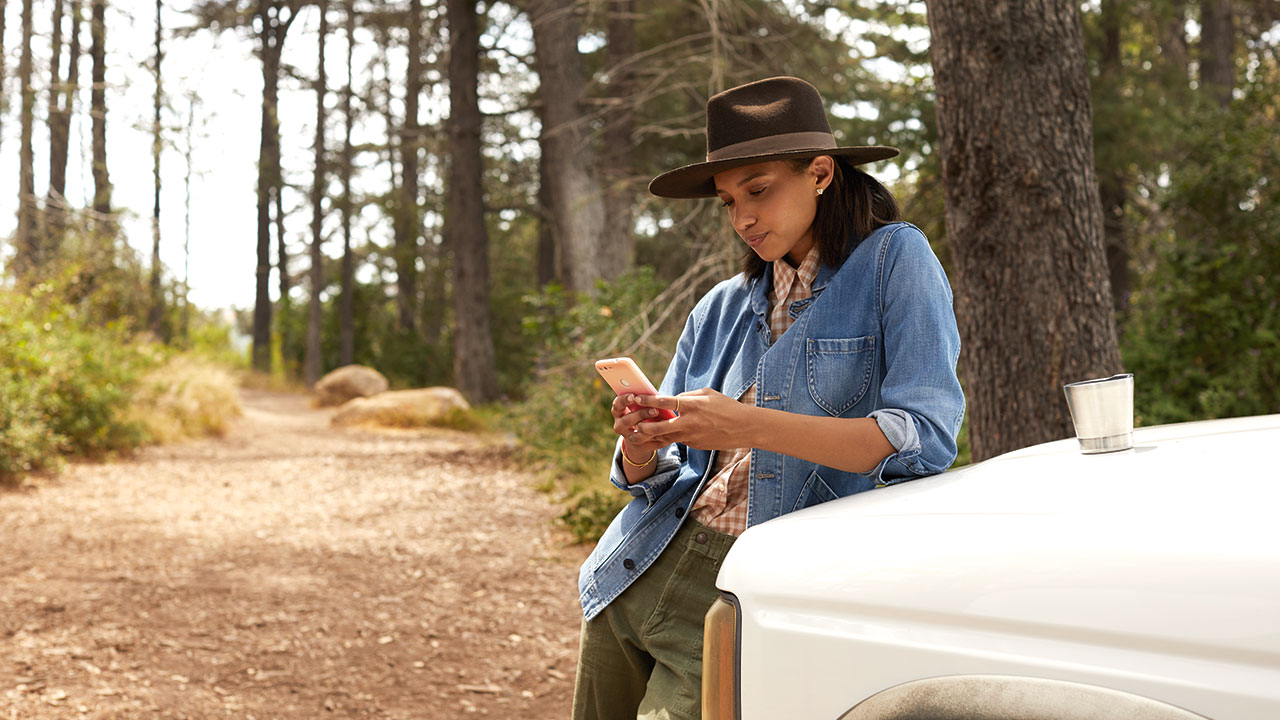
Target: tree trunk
x,y
98,109
392,197
186,235
407,225
1111,174
1173,45
473,357
270,79
52,202
274,28
156,312
4,97
283,277
548,264
1034,302
27,242
61,104
576,198
1217,50
313,363
617,153
347,344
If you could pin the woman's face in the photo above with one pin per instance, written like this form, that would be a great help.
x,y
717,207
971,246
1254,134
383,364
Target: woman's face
x,y
772,206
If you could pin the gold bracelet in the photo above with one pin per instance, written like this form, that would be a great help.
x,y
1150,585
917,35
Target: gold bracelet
x,y
628,461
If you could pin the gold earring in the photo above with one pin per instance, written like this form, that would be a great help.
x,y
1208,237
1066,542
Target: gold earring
x,y
820,190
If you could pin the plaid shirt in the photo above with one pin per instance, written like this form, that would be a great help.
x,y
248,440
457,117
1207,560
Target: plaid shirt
x,y
723,505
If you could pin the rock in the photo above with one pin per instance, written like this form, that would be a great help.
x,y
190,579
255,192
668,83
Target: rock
x,y
347,382
408,408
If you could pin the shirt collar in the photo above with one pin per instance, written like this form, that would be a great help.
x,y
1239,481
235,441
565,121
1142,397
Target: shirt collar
x,y
785,276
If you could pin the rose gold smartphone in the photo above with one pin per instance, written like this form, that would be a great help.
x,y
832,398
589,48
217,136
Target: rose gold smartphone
x,y
624,376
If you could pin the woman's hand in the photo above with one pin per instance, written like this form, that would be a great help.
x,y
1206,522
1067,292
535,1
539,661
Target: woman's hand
x,y
708,420
637,447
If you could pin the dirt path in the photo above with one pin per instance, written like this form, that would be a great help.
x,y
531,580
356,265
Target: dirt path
x,y
289,570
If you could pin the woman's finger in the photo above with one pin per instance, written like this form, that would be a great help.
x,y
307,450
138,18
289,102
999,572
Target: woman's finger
x,y
624,423
663,402
654,431
620,404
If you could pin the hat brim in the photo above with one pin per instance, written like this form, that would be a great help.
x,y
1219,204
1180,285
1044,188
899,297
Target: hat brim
x,y
697,180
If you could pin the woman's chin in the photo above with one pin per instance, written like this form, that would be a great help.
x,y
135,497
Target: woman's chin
x,y
764,253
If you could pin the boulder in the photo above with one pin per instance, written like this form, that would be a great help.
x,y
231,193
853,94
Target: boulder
x,y
441,406
347,382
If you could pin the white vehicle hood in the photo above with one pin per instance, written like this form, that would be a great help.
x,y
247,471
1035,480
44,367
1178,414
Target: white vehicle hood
x,y
1172,546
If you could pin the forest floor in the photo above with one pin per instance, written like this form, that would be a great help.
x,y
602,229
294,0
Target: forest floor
x,y
288,570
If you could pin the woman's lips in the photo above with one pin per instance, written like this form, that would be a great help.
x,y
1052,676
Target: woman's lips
x,y
755,240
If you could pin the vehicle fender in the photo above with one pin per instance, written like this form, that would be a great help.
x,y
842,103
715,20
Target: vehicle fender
x,y
1007,697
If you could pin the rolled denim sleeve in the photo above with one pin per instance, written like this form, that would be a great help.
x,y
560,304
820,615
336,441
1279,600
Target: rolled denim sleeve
x,y
672,456
922,402
652,487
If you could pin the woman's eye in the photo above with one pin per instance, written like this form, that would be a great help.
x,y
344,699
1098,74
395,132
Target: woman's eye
x,y
725,203
758,191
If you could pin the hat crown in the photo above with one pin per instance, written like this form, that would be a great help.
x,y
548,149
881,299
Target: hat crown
x,y
763,109
781,118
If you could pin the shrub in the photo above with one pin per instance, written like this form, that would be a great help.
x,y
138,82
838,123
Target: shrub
x,y
563,420
185,397
64,386
74,385
1203,335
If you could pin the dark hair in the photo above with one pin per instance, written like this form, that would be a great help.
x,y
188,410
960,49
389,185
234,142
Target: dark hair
x,y
853,205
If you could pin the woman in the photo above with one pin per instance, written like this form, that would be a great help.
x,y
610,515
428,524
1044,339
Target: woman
x,y
826,369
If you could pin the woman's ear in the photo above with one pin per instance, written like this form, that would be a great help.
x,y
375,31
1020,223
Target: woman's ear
x,y
822,170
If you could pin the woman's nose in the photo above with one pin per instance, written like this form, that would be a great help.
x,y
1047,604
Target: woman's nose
x,y
742,220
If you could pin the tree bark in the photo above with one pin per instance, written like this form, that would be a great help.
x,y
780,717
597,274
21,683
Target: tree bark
x,y
61,103
271,36
1173,45
407,225
1111,175
1034,302
473,364
577,200
1217,50
284,277
156,311
186,235
313,362
346,352
4,97
27,242
548,264
617,153
55,90
98,109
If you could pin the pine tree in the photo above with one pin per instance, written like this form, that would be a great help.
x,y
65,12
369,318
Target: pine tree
x,y
1034,302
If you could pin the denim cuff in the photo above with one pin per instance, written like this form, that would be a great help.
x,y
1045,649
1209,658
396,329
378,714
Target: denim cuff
x,y
900,429
653,486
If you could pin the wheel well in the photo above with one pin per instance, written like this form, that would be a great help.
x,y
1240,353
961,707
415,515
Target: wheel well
x,y
1009,697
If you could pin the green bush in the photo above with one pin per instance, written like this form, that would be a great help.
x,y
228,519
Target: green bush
x,y
64,386
1203,333
27,442
563,420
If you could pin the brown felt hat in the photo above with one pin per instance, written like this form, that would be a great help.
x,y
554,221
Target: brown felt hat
x,y
779,118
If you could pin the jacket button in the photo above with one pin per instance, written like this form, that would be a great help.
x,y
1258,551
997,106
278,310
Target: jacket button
x,y
679,512
701,538
629,564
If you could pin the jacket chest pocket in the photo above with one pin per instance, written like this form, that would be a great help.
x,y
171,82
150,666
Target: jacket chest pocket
x,y
839,370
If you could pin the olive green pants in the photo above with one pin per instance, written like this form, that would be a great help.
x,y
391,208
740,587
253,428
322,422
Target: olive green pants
x,y
641,657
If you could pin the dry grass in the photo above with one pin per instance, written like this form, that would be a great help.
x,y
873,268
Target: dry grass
x,y
186,398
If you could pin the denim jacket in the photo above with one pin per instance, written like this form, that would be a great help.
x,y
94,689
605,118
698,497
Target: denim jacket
x,y
877,339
